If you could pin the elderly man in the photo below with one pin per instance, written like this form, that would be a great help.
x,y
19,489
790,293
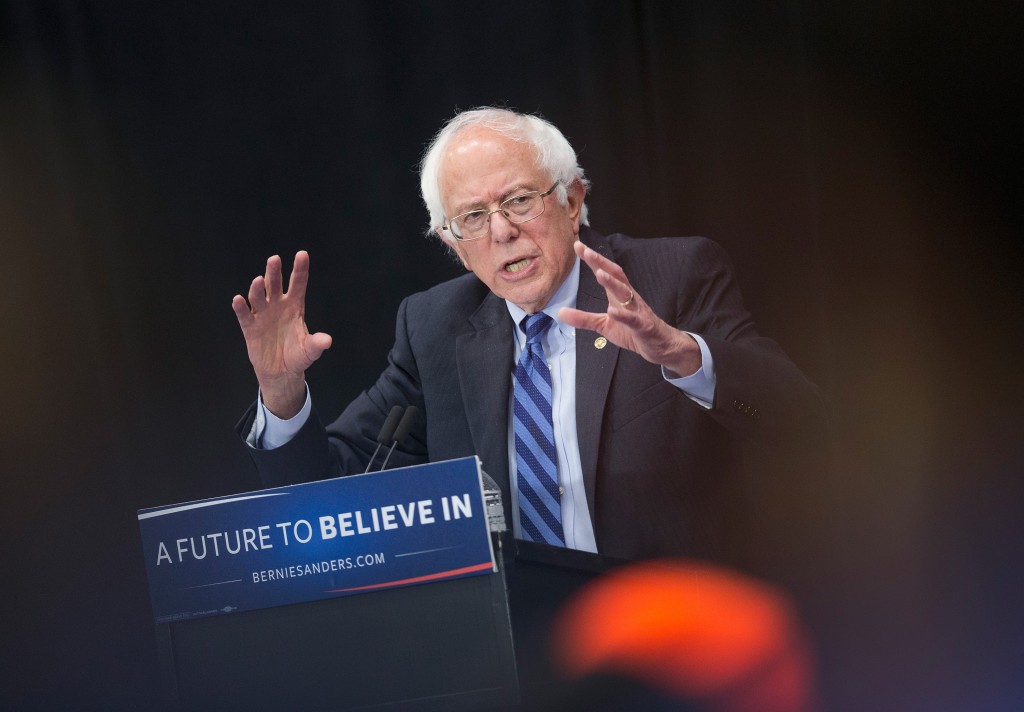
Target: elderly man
x,y
603,381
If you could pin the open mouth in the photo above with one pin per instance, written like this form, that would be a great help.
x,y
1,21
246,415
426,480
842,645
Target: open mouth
x,y
517,265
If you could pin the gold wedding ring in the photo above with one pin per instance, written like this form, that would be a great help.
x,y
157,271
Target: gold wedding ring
x,y
629,299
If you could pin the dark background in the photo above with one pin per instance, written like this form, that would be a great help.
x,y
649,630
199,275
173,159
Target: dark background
x,y
859,161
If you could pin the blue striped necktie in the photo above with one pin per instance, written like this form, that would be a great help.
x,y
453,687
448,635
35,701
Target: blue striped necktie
x,y
540,504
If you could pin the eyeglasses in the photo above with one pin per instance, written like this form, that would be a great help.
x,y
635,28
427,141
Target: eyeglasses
x,y
520,208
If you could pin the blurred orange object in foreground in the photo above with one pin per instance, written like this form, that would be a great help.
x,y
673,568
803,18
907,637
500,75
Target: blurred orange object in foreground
x,y
702,633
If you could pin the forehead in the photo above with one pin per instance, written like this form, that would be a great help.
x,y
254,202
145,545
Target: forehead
x,y
481,166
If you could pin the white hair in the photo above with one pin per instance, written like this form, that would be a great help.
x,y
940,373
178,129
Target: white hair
x,y
553,153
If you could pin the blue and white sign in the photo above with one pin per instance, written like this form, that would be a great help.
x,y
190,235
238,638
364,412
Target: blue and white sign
x,y
317,540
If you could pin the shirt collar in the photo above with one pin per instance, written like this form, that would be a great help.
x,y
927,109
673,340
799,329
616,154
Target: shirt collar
x,y
565,296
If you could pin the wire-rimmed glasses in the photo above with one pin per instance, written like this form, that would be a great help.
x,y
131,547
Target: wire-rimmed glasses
x,y
520,208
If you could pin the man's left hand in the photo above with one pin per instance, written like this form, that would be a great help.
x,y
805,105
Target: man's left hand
x,y
629,322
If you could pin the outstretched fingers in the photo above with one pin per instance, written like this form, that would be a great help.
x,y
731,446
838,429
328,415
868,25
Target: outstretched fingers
x,y
258,294
300,276
579,319
241,309
629,322
623,302
596,261
273,279
268,287
609,275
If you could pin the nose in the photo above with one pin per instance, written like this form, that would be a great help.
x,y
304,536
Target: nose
x,y
502,229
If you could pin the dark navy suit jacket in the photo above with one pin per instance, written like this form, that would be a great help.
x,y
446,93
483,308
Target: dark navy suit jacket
x,y
660,471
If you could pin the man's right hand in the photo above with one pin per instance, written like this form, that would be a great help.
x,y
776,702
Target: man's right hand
x,y
279,344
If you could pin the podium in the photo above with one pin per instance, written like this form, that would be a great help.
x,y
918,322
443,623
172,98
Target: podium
x,y
466,643
438,646
471,644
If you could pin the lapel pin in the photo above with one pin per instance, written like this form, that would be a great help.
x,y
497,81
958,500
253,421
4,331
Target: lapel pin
x,y
600,342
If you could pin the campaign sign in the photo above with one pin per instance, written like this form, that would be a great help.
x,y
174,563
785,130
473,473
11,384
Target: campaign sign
x,y
317,540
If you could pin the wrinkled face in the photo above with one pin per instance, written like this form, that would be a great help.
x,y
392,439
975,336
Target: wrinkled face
x,y
524,263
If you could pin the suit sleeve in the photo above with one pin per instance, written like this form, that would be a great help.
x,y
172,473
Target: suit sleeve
x,y
760,393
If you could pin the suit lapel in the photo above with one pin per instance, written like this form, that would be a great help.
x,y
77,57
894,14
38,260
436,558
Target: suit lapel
x,y
484,362
594,367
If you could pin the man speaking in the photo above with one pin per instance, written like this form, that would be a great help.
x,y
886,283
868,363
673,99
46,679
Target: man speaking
x,y
604,381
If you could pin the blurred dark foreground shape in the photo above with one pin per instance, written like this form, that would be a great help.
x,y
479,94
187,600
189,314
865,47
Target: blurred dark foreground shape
x,y
671,635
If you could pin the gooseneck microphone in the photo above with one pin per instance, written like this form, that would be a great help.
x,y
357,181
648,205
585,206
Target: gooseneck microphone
x,y
412,414
387,431
395,429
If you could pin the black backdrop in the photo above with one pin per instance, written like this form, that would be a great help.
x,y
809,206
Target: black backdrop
x,y
857,159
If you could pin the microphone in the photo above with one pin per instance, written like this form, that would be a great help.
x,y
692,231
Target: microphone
x,y
395,429
387,431
412,413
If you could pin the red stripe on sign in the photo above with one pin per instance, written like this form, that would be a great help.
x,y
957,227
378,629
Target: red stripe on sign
x,y
418,579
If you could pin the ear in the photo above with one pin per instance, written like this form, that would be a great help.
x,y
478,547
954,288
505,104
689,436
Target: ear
x,y
575,195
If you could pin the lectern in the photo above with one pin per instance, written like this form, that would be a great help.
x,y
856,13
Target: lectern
x,y
292,613
438,646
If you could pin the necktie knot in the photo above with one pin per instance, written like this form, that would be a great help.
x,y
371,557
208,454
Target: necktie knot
x,y
535,325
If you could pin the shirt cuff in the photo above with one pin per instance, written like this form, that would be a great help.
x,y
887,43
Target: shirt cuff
x,y
269,432
700,385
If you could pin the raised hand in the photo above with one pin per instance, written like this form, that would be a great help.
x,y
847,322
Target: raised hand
x,y
279,344
629,322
